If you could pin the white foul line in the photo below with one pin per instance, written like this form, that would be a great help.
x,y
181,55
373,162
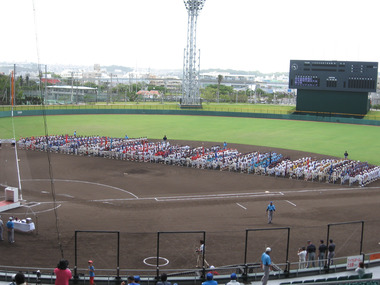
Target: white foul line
x,y
291,203
86,182
241,206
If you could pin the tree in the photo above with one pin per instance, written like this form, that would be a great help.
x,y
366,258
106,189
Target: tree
x,y
220,78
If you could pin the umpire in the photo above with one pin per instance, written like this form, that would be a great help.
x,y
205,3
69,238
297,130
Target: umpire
x,y
270,210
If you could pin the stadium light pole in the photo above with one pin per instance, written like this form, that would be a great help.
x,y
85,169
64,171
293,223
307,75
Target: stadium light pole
x,y
191,60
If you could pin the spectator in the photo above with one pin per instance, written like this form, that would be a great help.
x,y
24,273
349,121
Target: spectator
x,y
164,279
302,257
266,265
310,254
360,270
20,279
62,273
322,253
11,230
213,271
1,229
331,252
210,280
233,280
91,272
137,279
130,280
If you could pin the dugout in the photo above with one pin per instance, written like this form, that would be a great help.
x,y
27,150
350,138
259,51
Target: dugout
x,y
334,87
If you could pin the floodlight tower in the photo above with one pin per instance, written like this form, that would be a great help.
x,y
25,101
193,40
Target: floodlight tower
x,y
191,63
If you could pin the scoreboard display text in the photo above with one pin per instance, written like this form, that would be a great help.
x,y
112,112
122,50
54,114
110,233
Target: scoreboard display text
x,y
333,75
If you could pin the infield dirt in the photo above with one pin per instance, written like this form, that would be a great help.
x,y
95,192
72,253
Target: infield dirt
x,y
138,200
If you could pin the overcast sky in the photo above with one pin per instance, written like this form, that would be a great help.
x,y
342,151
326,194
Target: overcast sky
x,y
237,34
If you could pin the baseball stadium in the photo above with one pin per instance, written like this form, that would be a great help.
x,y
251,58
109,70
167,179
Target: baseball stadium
x,y
186,182
104,185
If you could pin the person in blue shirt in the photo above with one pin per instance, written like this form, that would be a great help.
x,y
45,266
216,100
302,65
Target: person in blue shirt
x,y
210,280
270,210
266,265
91,272
11,230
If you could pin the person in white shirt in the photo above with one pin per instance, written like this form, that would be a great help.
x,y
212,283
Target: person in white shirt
x,y
302,257
233,280
360,270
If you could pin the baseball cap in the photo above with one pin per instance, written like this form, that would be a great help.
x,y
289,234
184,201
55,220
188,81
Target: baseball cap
x,y
90,261
268,249
10,218
233,276
137,278
209,276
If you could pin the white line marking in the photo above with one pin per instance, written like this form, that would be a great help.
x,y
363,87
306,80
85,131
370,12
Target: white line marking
x,y
291,203
66,195
38,212
241,206
215,196
86,182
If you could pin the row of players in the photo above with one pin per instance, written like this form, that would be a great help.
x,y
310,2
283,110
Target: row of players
x,y
215,157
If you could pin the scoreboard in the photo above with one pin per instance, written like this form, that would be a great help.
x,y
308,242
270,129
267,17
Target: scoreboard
x,y
349,76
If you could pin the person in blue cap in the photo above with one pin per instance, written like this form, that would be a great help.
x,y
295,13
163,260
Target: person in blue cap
x,y
210,280
233,280
137,279
270,210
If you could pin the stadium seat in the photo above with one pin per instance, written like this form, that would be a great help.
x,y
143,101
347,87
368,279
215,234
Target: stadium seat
x,y
342,278
330,279
367,275
285,283
351,277
308,281
297,282
321,280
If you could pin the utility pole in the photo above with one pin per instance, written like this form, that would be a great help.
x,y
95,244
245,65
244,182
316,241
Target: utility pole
x,y
72,87
46,94
111,89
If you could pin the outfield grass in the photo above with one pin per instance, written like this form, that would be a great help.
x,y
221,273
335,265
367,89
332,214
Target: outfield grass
x,y
361,142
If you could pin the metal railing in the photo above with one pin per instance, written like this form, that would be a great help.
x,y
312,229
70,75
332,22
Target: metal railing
x,y
189,276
